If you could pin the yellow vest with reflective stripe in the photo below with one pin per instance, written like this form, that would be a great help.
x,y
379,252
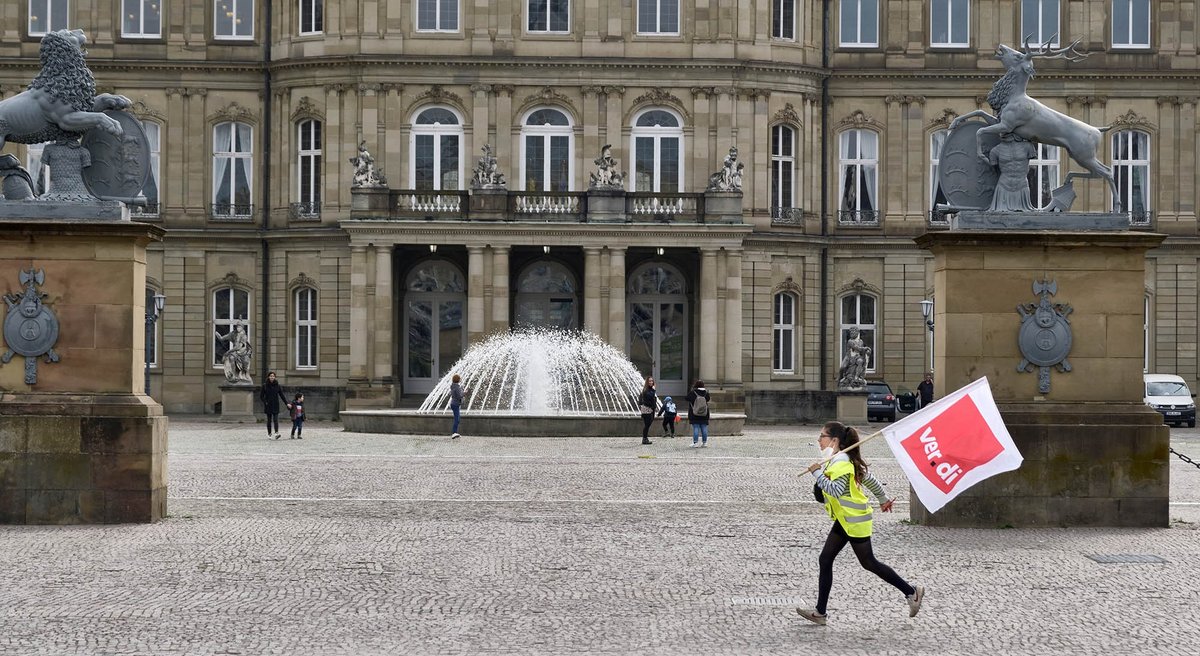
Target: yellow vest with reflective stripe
x,y
853,510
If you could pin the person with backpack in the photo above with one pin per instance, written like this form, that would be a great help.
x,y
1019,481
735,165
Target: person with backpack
x,y
648,406
698,413
270,395
669,416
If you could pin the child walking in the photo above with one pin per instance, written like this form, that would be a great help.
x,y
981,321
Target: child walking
x,y
668,412
297,407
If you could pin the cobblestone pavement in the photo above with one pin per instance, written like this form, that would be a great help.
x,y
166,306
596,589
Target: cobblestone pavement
x,y
370,544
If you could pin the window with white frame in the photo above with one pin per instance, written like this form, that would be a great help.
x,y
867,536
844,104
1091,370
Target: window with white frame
x,y
308,166
950,23
783,334
858,152
550,16
783,19
48,16
1131,23
1043,175
37,171
657,146
312,16
437,15
1039,21
233,160
546,147
152,190
141,19
858,311
436,160
859,23
231,306
152,334
1131,169
783,167
306,328
658,17
936,141
233,19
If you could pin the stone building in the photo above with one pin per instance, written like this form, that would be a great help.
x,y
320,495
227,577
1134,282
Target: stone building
x,y
837,108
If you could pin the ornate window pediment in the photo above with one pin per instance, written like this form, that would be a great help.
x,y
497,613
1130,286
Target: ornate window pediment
x,y
306,108
787,115
859,119
233,112
658,96
302,280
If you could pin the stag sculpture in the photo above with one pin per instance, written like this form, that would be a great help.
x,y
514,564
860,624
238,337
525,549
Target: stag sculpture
x,y
1029,119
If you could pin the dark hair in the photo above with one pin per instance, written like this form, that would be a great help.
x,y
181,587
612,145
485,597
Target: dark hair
x,y
456,378
848,437
298,395
699,383
646,386
270,373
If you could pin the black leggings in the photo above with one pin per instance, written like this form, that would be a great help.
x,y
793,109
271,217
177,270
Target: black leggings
x,y
646,421
272,419
669,423
866,557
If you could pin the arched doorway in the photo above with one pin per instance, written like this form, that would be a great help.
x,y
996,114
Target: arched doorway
x,y
547,297
434,331
658,325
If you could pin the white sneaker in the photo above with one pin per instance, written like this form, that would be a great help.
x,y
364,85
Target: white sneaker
x,y
812,616
695,445
914,600
704,445
455,436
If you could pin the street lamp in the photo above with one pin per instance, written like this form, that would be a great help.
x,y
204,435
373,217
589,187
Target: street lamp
x,y
927,312
152,312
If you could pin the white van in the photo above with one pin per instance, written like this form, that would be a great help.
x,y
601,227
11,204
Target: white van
x,y
1170,395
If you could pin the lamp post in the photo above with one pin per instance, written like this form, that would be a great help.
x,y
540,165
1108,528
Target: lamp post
x,y
152,312
927,312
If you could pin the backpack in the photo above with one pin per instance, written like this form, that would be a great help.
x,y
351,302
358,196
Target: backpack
x,y
700,406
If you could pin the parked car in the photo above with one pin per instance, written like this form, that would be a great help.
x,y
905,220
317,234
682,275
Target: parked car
x,y
1169,395
881,403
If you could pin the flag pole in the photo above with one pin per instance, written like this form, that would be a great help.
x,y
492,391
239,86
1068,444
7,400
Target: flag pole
x,y
852,447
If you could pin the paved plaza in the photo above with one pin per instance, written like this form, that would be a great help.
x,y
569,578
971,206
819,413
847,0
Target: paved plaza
x,y
375,544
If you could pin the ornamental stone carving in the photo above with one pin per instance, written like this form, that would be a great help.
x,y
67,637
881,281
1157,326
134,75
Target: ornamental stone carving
x,y
486,174
30,328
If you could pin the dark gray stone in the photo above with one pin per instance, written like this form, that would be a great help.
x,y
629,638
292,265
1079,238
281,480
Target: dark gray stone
x,y
988,220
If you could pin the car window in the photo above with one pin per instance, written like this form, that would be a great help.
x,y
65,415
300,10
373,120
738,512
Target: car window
x,y
1167,389
878,388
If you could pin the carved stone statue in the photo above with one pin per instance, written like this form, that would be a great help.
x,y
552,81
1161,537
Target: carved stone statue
x,y
606,175
236,360
729,178
365,173
486,173
15,181
1011,157
851,374
66,159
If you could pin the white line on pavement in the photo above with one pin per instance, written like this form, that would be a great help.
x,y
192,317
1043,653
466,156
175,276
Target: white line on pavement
x,y
449,500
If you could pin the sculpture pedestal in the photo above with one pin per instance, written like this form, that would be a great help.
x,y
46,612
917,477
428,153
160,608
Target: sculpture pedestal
x,y
605,205
488,204
852,407
1095,455
237,404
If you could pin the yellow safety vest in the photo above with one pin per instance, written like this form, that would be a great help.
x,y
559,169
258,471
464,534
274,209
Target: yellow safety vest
x,y
853,510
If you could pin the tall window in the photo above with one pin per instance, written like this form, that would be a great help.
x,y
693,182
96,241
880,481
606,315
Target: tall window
x,y
783,334
312,16
859,154
141,19
859,23
550,16
233,152
39,173
153,182
657,137
936,197
230,306
48,16
1039,21
233,19
658,17
783,166
547,157
1043,175
308,167
152,334
950,23
1131,168
436,158
437,15
306,328
783,19
1131,23
858,311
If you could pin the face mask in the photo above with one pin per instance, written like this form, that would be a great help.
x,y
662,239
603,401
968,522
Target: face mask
x,y
827,452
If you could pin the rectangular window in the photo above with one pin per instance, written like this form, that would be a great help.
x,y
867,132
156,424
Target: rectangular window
x,y
936,196
152,189
152,333
48,16
1131,23
783,19
783,338
1039,21
950,23
437,15
312,16
39,173
233,19
859,23
1043,176
1131,169
306,328
309,167
550,16
141,19
859,155
783,167
232,170
658,17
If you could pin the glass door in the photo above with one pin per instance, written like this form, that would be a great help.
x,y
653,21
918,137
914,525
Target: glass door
x,y
431,351
658,343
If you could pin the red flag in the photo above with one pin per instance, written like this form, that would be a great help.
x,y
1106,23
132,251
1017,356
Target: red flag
x,y
953,444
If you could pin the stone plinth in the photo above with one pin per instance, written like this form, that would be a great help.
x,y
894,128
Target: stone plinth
x,y
370,202
852,407
605,206
237,403
722,207
82,444
412,422
489,204
1095,455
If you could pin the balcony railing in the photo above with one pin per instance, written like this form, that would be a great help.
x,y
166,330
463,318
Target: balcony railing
x,y
862,218
787,216
1141,219
231,212
938,218
145,212
304,211
664,208
547,205
429,204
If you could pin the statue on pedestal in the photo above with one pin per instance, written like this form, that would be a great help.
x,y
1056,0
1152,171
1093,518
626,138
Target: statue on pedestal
x,y
486,172
606,175
729,178
236,360
852,372
365,173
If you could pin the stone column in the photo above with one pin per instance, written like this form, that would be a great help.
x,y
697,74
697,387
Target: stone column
x,y
616,298
474,294
591,290
359,332
708,314
384,316
733,317
500,293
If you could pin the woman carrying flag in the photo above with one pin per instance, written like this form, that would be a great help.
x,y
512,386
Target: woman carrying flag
x,y
840,482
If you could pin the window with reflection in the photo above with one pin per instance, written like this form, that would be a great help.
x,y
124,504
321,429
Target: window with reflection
x,y
437,15
783,19
1043,175
437,150
308,165
936,141
1039,21
233,152
48,16
783,334
658,16
312,16
435,332
657,145
858,311
859,23
546,139
233,19
550,16
950,23
858,151
141,19
1131,23
153,333
783,167
546,297
231,306
1131,169
305,304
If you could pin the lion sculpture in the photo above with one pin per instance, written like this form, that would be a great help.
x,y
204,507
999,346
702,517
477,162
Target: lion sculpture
x,y
61,102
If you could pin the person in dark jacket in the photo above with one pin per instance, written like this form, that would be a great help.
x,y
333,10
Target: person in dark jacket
x,y
668,414
698,413
648,406
271,394
297,406
925,389
457,394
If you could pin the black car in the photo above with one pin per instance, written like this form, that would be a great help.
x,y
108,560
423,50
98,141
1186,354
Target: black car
x,y
881,403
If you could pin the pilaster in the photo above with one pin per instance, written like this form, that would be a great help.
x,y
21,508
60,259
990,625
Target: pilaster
x,y
591,289
359,333
384,315
474,294
708,314
733,317
616,297
500,290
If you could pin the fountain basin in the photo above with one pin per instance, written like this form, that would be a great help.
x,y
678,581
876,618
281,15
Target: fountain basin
x,y
415,422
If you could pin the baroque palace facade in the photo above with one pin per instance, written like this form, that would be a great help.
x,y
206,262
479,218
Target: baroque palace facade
x,y
838,109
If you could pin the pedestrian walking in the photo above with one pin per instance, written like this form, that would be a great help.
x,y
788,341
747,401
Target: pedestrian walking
x,y
669,415
457,394
698,413
297,408
925,389
271,394
648,406
840,482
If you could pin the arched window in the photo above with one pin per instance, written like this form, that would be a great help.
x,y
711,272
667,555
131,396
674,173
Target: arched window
x,y
936,141
657,147
547,297
436,160
858,152
783,334
230,306
305,304
141,19
547,151
1131,168
233,164
48,16
858,311
1043,175
308,167
783,169
153,189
